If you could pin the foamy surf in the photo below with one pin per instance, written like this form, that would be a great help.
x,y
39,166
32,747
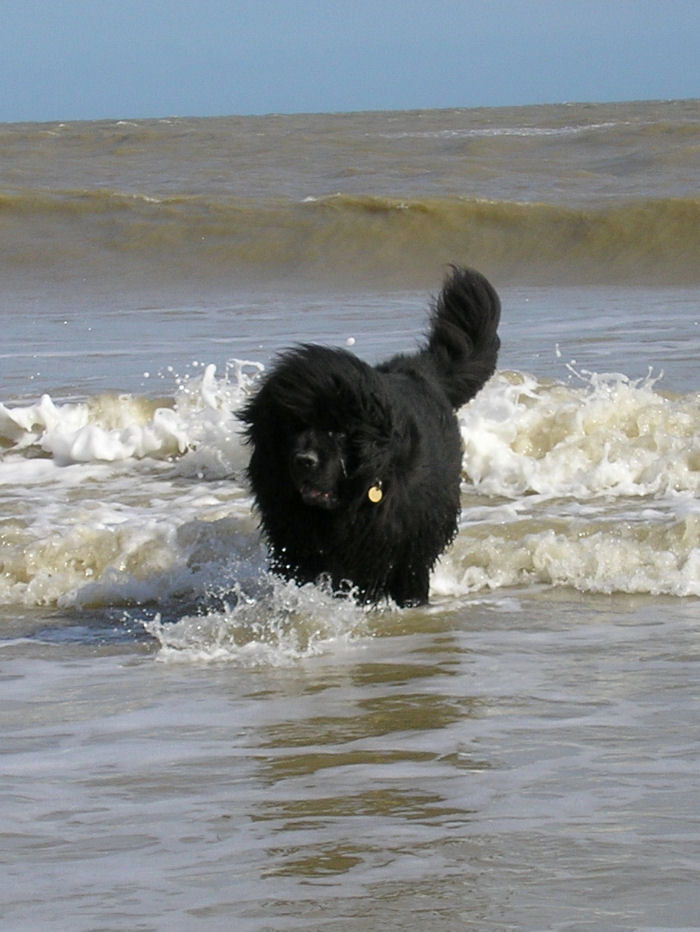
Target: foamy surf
x,y
602,435
590,483
166,702
113,428
278,624
653,551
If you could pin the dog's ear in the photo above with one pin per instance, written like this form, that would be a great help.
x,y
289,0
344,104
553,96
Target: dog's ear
x,y
394,433
405,444
261,418
291,396
384,448
367,416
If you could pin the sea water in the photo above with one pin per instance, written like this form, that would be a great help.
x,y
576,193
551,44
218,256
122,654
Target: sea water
x,y
187,741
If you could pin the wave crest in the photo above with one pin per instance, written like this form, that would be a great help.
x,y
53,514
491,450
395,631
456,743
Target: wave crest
x,y
390,239
591,483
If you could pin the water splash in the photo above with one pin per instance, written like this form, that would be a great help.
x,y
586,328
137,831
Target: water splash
x,y
279,624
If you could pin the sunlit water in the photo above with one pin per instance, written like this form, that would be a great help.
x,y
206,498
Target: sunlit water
x,y
188,742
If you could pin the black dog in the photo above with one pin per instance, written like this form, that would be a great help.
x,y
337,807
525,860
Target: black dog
x,y
356,470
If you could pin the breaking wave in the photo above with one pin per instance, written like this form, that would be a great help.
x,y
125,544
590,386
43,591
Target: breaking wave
x,y
367,237
126,501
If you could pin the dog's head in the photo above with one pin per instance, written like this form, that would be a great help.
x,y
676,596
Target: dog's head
x,y
318,466
326,432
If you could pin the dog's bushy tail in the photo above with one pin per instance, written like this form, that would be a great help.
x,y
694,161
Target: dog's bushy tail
x,y
463,343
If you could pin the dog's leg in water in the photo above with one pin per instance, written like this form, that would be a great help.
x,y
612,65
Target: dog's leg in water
x,y
410,588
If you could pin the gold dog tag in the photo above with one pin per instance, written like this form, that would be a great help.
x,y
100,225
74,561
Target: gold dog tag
x,y
375,494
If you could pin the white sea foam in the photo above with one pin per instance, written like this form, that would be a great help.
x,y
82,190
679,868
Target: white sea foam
x,y
277,624
116,428
591,483
132,500
607,436
601,480
493,132
647,555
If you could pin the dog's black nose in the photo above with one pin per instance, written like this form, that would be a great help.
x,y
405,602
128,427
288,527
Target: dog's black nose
x,y
306,459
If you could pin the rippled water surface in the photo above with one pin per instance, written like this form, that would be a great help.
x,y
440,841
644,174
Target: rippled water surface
x,y
188,742
522,760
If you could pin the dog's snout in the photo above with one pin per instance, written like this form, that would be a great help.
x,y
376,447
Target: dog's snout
x,y
307,459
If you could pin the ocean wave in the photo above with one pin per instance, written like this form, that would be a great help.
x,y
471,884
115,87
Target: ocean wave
x,y
197,421
351,236
494,132
643,555
597,435
591,483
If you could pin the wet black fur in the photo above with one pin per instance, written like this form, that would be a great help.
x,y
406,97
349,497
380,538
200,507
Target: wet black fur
x,y
326,428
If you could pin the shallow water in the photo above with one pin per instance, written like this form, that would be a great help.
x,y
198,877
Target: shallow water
x,y
187,741
522,760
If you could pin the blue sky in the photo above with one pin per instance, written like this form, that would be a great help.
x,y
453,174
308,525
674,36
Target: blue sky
x,y
95,59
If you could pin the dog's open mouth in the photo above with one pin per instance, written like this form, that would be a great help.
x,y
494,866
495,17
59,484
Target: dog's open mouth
x,y
318,498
